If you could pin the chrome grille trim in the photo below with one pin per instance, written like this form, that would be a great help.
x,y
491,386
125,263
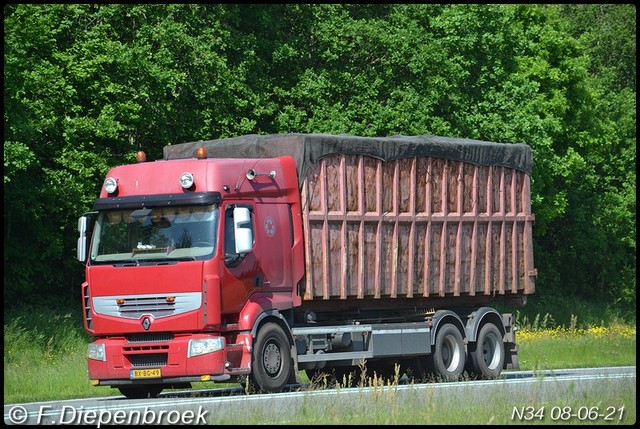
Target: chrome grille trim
x,y
136,306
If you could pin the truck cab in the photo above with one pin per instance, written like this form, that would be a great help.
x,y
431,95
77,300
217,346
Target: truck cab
x,y
182,257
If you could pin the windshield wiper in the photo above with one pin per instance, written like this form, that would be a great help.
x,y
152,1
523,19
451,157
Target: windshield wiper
x,y
125,263
184,258
165,261
135,262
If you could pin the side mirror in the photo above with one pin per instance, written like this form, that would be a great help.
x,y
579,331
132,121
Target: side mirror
x,y
83,222
242,230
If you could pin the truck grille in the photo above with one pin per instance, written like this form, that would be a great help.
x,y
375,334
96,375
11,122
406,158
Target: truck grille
x,y
156,305
150,360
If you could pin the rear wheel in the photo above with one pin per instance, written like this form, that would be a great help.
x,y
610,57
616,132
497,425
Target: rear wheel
x,y
271,360
141,392
487,354
448,353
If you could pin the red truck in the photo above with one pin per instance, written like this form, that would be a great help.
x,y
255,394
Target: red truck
x,y
250,259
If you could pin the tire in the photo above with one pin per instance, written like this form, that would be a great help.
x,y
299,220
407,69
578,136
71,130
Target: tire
x,y
141,392
448,353
271,359
487,354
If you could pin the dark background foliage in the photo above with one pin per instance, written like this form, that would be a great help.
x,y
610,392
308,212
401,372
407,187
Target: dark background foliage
x,y
86,86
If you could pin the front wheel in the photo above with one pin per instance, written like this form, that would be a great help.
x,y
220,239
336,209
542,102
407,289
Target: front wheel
x,y
271,359
449,356
486,355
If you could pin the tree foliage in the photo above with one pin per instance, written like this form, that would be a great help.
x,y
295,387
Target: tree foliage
x,y
88,85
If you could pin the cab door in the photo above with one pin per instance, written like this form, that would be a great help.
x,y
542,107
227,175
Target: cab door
x,y
274,240
266,267
241,270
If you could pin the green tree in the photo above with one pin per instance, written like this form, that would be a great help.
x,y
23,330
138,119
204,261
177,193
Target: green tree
x,y
595,245
85,87
88,85
511,73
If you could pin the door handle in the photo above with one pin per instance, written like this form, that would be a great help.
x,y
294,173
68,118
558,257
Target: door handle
x,y
259,281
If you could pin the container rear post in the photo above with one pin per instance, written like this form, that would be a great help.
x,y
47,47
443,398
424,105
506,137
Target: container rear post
x,y
510,345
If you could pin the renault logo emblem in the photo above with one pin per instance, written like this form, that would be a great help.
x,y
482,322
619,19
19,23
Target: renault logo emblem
x,y
146,323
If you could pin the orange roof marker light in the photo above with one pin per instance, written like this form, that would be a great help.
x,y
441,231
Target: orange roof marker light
x,y
141,156
201,153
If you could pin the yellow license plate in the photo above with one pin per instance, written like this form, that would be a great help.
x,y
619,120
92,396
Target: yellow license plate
x,y
145,373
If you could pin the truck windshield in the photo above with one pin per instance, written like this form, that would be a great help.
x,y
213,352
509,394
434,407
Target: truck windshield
x,y
155,235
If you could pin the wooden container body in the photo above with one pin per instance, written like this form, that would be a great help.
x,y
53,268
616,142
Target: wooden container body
x,y
425,229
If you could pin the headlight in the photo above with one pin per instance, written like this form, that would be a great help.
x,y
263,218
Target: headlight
x,y
204,346
110,185
97,352
186,180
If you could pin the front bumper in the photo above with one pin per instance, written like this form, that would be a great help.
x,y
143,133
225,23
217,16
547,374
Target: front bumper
x,y
164,362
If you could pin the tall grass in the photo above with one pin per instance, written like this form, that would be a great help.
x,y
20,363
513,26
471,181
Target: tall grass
x,y
549,311
45,355
387,404
577,347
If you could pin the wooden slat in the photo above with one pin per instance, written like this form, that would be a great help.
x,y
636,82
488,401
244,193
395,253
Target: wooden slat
x,y
325,230
458,250
474,233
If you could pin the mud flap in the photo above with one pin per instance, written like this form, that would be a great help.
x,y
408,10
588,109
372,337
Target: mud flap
x,y
511,356
510,346
294,377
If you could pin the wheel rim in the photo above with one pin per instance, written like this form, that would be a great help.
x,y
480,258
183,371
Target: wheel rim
x,y
450,354
490,351
272,359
